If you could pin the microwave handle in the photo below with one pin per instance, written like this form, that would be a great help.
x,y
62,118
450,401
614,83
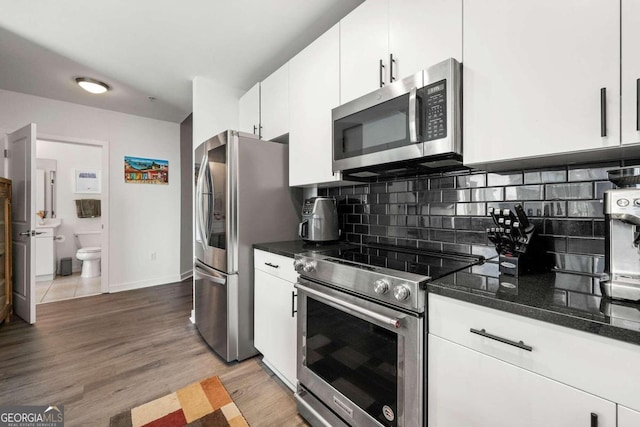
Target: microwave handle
x,y
413,107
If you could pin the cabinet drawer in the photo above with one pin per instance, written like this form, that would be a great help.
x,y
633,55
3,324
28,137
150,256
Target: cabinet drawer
x,y
602,366
278,265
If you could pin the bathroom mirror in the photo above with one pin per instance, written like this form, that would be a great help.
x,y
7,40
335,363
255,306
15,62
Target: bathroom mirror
x,y
46,186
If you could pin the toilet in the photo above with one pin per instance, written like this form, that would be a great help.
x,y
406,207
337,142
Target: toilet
x,y
89,255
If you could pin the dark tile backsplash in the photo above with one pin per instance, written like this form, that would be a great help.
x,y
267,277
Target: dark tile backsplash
x,y
448,211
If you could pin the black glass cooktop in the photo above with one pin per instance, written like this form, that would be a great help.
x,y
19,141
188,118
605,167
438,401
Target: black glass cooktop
x,y
422,262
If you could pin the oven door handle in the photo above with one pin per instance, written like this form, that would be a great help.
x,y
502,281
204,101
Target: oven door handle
x,y
363,311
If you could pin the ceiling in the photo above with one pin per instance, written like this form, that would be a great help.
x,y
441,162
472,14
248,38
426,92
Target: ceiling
x,y
152,48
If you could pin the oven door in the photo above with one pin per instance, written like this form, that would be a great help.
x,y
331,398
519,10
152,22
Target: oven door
x,y
362,360
380,127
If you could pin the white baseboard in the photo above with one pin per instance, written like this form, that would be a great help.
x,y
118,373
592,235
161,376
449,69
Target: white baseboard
x,y
144,283
186,275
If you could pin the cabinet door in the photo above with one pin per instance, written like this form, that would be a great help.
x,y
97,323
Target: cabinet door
x,y
44,255
250,111
275,324
467,388
533,73
314,89
630,72
423,33
628,417
274,104
364,42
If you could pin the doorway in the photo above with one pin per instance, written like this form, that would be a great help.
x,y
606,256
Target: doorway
x,y
73,199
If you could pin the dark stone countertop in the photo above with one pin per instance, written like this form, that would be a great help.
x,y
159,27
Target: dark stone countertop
x,y
563,298
292,247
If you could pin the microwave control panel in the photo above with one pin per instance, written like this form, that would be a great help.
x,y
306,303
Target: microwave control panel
x,y
434,100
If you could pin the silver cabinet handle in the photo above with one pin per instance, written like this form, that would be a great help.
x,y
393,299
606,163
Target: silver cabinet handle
x,y
484,333
413,107
363,311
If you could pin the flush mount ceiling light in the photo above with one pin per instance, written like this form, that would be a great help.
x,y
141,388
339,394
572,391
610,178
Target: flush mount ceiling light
x,y
92,85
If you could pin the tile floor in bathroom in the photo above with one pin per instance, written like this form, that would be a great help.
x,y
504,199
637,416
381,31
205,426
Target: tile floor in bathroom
x,y
66,287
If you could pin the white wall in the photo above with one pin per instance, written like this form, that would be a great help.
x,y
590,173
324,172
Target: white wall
x,y
70,157
215,108
143,217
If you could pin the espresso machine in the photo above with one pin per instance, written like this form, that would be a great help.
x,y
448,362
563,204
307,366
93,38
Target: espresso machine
x,y
319,220
622,236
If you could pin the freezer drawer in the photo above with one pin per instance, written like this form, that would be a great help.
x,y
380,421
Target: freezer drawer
x,y
213,313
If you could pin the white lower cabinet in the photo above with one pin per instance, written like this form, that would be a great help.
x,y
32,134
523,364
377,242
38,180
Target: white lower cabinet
x,y
628,417
468,388
275,315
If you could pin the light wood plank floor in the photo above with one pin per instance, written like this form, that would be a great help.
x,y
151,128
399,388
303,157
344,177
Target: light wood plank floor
x,y
101,355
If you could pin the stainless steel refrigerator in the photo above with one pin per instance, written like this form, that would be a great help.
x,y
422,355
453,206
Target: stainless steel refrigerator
x,y
242,197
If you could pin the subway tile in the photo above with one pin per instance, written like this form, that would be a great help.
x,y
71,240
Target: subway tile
x,y
585,246
582,190
601,187
471,209
397,186
546,209
568,227
524,192
456,195
584,208
443,236
442,183
575,263
456,247
544,177
494,179
468,181
442,209
487,194
591,174
474,237
407,197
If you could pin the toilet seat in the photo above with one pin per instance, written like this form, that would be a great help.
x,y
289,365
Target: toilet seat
x,y
89,250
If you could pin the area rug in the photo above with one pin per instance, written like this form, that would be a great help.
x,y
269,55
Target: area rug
x,y
202,404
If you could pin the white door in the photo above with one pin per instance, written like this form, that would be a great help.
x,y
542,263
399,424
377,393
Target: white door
x,y
21,171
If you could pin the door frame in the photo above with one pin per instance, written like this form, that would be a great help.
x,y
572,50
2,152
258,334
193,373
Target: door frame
x,y
104,145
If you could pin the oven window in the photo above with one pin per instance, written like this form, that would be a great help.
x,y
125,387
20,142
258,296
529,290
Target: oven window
x,y
357,358
378,128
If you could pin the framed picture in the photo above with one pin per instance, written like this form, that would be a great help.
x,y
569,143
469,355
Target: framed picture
x,y
146,171
87,181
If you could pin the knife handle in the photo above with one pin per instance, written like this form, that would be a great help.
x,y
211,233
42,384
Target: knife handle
x,y
522,218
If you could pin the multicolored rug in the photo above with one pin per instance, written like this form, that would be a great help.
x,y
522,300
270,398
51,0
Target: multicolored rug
x,y
202,404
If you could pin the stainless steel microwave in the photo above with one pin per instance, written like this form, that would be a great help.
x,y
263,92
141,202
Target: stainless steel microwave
x,y
415,121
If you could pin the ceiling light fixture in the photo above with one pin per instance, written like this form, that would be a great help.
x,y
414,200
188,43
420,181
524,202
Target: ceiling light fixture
x,y
92,85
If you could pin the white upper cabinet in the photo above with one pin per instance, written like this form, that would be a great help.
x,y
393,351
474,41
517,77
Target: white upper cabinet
x,y
533,74
314,89
274,104
423,33
250,111
364,47
386,40
630,71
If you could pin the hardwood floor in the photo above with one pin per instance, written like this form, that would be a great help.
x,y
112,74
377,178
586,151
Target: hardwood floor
x,y
101,355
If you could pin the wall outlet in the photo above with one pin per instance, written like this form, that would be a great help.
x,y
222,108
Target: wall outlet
x,y
153,256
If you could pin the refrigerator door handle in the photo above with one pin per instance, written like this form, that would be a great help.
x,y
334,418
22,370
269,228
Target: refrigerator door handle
x,y
209,274
199,214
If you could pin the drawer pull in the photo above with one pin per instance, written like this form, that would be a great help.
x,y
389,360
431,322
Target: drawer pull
x,y
484,333
594,420
271,265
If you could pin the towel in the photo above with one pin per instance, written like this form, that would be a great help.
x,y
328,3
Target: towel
x,y
88,208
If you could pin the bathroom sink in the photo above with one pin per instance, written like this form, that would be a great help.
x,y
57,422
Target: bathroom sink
x,y
49,223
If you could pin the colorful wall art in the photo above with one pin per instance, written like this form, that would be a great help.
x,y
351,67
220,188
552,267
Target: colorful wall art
x,y
146,171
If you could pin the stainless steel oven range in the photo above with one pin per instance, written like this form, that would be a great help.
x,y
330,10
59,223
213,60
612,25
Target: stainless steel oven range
x,y
361,333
